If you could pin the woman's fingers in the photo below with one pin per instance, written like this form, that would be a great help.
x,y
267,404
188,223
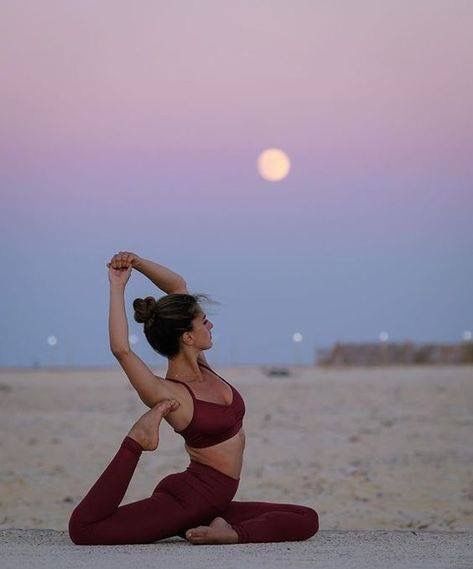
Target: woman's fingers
x,y
129,257
123,259
120,261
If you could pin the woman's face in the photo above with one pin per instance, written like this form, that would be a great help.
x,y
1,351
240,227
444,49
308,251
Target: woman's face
x,y
202,327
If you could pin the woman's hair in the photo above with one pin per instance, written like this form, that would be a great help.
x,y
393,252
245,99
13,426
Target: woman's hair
x,y
166,319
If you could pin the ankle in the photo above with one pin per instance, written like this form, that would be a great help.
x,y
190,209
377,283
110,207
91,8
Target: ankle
x,y
133,444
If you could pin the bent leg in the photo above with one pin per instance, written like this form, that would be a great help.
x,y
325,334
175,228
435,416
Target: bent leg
x,y
263,522
106,494
98,519
145,521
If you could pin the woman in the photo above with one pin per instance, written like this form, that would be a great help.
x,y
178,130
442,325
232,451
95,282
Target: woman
x,y
207,411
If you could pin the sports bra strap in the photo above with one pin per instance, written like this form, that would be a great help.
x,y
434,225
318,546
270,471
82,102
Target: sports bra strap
x,y
190,390
183,383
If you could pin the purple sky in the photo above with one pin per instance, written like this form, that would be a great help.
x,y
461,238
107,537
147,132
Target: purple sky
x,y
138,126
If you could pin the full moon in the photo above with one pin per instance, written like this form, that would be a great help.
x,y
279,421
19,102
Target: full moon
x,y
273,164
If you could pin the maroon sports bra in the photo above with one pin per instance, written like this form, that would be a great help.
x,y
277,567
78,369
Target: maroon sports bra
x,y
212,423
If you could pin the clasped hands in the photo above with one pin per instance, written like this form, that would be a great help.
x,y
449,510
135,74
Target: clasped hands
x,y
120,267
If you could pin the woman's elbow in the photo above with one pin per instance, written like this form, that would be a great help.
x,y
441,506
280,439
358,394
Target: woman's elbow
x,y
120,352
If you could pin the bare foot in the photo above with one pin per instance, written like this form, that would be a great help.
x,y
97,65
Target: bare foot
x,y
146,430
218,531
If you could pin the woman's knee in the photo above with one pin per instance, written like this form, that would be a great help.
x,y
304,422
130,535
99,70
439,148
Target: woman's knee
x,y
79,532
311,522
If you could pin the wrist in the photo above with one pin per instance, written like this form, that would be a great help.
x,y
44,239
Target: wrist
x,y
117,287
138,263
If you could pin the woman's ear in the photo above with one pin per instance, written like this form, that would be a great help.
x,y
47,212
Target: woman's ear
x,y
187,338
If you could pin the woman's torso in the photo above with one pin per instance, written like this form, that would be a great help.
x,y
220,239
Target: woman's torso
x,y
213,395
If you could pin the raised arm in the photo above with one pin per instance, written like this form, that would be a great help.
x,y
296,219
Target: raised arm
x,y
165,279
151,389
117,322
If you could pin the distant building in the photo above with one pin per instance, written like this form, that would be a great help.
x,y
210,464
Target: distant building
x,y
390,353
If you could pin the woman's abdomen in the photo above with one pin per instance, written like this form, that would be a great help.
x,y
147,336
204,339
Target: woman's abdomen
x,y
226,457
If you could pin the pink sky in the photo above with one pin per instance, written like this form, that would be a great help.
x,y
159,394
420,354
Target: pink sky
x,y
356,87
114,112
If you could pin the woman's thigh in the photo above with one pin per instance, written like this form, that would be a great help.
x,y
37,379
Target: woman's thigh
x,y
173,508
238,512
205,497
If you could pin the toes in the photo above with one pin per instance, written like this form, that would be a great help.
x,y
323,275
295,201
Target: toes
x,y
196,533
167,406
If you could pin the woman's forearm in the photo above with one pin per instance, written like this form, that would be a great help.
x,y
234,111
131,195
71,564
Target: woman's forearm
x,y
117,322
161,276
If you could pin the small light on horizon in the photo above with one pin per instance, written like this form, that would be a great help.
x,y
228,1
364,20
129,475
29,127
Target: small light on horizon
x,y
297,337
51,340
467,335
383,336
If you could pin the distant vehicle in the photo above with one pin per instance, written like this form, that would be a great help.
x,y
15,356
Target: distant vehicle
x,y
277,371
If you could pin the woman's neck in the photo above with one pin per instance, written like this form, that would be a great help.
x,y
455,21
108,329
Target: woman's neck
x,y
184,368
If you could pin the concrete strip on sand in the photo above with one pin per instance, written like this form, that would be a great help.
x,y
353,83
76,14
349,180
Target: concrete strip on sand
x,y
373,549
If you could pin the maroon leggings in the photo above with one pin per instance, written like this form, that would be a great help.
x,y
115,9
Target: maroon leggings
x,y
180,501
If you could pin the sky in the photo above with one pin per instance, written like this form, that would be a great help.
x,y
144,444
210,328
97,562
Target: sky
x,y
137,126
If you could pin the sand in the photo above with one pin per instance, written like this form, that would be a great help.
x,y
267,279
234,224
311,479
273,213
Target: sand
x,y
363,549
368,448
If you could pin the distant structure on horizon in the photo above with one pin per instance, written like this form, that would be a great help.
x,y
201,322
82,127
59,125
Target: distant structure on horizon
x,y
391,353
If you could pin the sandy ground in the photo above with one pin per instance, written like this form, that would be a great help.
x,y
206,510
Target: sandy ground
x,y
42,549
368,448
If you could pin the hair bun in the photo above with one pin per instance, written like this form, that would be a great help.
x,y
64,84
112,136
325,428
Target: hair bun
x,y
145,309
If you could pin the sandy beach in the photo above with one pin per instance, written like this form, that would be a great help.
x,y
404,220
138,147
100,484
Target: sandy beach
x,y
368,448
